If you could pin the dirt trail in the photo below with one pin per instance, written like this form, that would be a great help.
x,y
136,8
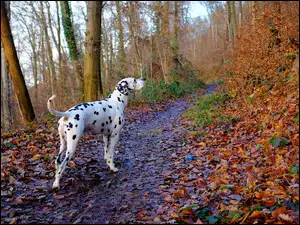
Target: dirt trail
x,y
91,194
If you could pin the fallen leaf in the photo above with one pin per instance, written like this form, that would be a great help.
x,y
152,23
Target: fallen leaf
x,y
278,211
256,214
285,217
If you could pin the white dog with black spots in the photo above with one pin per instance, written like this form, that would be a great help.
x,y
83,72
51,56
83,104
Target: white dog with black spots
x,y
100,117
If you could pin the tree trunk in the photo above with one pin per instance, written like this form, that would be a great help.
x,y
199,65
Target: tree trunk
x,y
121,38
50,25
60,73
70,38
231,21
5,122
106,47
53,79
15,69
176,29
166,34
92,52
241,13
35,68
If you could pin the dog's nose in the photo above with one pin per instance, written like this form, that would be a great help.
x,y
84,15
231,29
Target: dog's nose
x,y
143,79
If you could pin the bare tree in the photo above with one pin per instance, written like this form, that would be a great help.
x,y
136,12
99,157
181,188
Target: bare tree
x,y
15,69
121,38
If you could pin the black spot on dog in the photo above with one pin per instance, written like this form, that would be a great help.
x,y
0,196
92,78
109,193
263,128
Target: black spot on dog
x,y
120,95
120,122
67,159
94,122
81,109
92,104
108,130
104,109
76,117
109,106
100,103
69,129
74,137
76,125
122,101
116,126
96,113
85,105
102,130
65,132
102,124
109,117
106,122
119,99
70,125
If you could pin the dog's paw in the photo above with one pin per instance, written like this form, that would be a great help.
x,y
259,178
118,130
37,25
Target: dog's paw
x,y
55,186
114,169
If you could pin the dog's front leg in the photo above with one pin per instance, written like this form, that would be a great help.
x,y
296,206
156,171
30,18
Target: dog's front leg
x,y
113,139
106,142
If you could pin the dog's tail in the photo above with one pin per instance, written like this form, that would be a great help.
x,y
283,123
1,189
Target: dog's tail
x,y
55,112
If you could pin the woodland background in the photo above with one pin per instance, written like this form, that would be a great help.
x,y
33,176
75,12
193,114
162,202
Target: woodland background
x,y
81,61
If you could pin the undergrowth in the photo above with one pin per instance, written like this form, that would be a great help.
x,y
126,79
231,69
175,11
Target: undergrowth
x,y
160,91
209,109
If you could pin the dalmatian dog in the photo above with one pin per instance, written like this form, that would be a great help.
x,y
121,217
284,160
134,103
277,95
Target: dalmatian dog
x,y
104,117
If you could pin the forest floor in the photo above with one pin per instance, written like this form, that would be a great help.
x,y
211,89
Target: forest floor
x,y
159,179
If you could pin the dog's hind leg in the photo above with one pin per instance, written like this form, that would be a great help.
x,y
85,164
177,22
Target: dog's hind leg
x,y
63,146
112,141
70,152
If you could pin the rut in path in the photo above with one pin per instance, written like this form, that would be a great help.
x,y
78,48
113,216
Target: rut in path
x,y
144,148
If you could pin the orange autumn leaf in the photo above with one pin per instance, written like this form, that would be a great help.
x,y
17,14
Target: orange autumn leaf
x,y
278,211
180,193
256,214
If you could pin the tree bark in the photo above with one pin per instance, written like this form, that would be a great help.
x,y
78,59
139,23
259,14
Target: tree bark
x,y
15,69
92,73
231,21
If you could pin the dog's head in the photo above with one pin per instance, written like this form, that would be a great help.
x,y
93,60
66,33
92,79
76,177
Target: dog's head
x,y
130,84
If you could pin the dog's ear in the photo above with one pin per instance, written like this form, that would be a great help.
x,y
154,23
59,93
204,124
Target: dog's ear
x,y
123,87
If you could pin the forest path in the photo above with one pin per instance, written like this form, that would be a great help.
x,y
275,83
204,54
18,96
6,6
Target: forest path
x,y
90,193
